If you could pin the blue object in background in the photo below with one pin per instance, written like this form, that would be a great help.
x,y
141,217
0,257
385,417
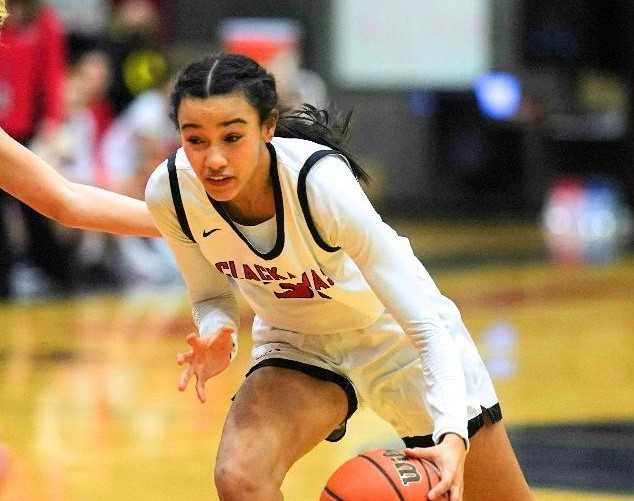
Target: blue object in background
x,y
422,103
499,95
600,221
586,220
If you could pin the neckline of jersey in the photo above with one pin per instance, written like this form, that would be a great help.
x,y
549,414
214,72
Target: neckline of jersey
x,y
279,213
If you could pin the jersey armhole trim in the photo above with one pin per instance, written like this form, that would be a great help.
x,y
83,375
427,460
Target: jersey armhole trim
x,y
303,197
176,197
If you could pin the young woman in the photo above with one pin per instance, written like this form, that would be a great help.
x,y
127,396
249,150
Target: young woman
x,y
345,314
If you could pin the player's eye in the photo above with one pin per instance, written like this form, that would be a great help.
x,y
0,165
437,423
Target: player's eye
x,y
232,138
194,140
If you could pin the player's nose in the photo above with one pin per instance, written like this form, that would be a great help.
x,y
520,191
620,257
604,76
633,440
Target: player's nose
x,y
215,160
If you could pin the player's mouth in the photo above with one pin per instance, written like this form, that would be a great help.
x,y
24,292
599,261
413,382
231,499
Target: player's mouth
x,y
218,181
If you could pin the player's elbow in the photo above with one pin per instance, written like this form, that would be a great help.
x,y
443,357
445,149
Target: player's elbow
x,y
67,210
63,214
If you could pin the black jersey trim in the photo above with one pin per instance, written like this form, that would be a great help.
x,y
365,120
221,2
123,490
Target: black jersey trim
x,y
494,414
176,197
279,213
303,197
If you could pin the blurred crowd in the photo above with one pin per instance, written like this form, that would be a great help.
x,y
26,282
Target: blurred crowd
x,y
84,84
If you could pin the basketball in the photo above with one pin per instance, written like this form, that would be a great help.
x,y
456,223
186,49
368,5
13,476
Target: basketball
x,y
382,475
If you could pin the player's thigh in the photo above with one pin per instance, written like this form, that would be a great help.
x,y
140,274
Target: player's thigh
x,y
491,468
279,415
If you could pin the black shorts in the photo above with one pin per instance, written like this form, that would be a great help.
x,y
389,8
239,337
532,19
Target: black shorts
x,y
493,413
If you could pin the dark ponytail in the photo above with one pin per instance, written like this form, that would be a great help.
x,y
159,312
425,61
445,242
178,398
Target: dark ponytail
x,y
221,74
317,126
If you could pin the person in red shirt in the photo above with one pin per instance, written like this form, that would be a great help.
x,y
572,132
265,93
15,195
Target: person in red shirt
x,y
32,70
32,74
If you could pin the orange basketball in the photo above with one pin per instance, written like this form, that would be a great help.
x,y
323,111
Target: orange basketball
x,y
382,475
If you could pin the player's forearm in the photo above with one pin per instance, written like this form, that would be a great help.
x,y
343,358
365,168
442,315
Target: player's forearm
x,y
91,208
33,181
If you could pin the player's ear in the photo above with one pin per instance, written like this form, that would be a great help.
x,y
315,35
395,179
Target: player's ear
x,y
269,125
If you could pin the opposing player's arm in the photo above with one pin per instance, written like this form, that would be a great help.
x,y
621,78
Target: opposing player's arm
x,y
33,181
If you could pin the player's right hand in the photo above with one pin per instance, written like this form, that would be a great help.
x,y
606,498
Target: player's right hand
x,y
449,457
209,356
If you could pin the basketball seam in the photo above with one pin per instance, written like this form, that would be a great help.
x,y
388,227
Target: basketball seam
x,y
384,473
332,494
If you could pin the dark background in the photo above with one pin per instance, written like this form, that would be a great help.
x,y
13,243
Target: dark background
x,y
448,158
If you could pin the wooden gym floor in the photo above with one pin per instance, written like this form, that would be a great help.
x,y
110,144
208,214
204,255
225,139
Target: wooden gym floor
x,y
89,409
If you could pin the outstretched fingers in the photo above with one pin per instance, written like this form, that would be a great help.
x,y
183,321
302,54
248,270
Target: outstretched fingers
x,y
186,375
185,358
207,357
200,389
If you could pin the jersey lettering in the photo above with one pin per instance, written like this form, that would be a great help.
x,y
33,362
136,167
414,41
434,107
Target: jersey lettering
x,y
262,272
312,281
249,274
301,290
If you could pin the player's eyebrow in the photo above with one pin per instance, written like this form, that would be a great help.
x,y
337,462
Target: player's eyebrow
x,y
224,123
233,121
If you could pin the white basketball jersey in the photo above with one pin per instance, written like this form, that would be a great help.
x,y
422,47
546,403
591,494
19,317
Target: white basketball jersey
x,y
305,285
323,286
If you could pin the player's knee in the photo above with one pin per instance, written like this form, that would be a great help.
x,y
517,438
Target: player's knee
x,y
236,481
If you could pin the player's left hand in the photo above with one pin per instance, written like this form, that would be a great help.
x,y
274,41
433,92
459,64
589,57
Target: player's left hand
x,y
449,456
208,357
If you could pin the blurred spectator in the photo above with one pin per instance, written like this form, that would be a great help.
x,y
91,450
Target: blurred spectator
x,y
136,51
139,139
71,146
32,68
72,149
159,5
297,85
3,12
94,70
276,45
83,18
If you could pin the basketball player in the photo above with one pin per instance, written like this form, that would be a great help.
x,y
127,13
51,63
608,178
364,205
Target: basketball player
x,y
345,314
